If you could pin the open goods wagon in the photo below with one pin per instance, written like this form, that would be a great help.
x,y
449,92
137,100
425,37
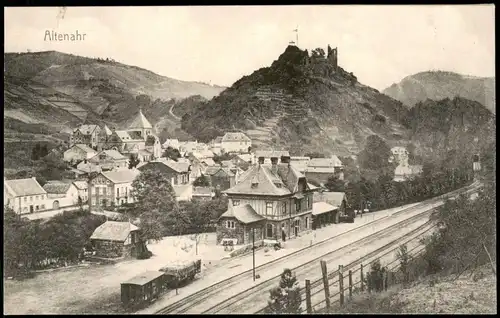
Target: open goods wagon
x,y
180,272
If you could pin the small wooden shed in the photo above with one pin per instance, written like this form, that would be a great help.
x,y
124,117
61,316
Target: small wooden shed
x,y
142,288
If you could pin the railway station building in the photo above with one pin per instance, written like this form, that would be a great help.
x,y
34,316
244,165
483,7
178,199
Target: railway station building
x,y
274,199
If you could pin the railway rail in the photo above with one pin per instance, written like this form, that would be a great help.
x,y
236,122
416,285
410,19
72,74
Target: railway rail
x,y
234,304
202,295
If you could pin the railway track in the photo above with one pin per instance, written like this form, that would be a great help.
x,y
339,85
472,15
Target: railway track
x,y
202,295
234,304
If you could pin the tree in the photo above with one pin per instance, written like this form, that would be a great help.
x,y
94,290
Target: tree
x,y
285,299
156,203
197,219
133,161
375,155
202,181
334,184
171,153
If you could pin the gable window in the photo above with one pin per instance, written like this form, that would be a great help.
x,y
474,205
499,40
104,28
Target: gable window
x,y
230,225
269,208
236,202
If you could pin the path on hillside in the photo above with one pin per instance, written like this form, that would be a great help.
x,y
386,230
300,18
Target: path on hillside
x,y
172,113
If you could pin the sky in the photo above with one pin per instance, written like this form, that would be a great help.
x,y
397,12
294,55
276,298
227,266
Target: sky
x,y
215,44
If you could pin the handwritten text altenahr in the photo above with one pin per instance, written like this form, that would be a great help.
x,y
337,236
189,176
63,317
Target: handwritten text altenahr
x,y
51,35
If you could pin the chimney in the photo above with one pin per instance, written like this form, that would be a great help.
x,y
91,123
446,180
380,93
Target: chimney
x,y
274,165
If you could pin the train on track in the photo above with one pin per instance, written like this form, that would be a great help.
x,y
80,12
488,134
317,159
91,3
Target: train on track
x,y
145,288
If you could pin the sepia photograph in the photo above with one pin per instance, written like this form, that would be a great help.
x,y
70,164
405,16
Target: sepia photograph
x,y
277,159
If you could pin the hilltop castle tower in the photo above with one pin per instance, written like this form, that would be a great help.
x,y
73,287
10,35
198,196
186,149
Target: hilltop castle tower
x,y
332,56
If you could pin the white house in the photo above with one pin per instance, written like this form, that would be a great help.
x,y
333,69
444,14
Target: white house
x,y
399,155
79,152
172,143
404,171
235,142
112,188
25,195
61,194
82,187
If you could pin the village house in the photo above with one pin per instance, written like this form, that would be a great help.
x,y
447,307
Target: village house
x,y
153,146
264,156
235,142
300,163
242,161
320,169
85,135
84,169
177,172
208,162
325,207
112,188
247,157
203,154
183,192
216,145
404,172
202,193
222,178
109,160
399,155
117,240
192,146
172,143
197,167
61,194
24,195
78,152
274,199
82,187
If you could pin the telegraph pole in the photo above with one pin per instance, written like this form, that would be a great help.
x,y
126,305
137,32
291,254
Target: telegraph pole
x,y
296,35
253,251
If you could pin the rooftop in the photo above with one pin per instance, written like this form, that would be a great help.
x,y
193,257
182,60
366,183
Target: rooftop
x,y
144,278
272,153
243,213
113,231
121,176
25,187
235,136
141,122
57,187
333,198
322,207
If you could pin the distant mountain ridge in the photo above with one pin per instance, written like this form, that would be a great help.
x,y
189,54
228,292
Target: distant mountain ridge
x,y
80,89
438,85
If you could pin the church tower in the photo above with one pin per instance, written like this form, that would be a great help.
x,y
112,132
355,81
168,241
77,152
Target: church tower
x,y
142,125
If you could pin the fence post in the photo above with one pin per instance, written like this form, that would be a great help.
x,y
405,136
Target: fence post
x,y
341,284
350,284
325,284
362,279
308,296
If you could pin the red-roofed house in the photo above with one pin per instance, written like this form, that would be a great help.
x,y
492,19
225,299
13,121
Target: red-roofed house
x,y
278,193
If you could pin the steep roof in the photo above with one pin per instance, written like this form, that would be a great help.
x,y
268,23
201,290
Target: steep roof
x,y
177,166
243,213
113,231
113,154
121,176
245,157
260,181
141,122
87,129
218,140
235,136
57,187
212,170
85,148
209,162
81,184
107,130
24,187
123,135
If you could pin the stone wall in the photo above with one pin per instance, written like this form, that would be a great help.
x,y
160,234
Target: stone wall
x,y
224,232
108,249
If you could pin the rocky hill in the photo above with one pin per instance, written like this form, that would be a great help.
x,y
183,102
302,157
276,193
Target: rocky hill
x,y
440,85
447,124
303,103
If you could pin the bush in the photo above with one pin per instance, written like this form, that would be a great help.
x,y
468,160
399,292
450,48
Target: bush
x,y
145,254
375,277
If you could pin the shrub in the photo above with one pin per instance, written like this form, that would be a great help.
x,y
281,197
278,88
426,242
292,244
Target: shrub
x,y
285,299
374,278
